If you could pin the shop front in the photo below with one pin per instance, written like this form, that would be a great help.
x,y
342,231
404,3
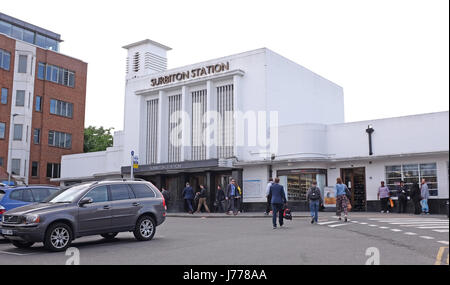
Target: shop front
x,y
298,181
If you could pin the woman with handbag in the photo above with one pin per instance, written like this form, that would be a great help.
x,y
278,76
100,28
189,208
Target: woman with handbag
x,y
342,201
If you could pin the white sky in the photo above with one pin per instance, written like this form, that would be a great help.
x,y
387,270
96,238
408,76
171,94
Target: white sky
x,y
391,57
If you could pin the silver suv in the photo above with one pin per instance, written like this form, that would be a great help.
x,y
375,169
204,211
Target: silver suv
x,y
97,208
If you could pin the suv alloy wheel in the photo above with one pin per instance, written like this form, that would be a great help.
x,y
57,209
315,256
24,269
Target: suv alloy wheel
x,y
58,237
145,228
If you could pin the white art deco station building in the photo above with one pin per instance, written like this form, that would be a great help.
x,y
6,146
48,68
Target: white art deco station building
x,y
254,115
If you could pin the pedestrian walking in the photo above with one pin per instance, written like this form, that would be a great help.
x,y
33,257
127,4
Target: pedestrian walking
x,y
220,200
166,195
278,202
315,200
202,195
268,197
342,201
425,194
402,194
233,195
416,197
383,195
188,196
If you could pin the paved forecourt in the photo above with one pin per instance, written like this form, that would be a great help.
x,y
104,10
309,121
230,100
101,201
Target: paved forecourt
x,y
396,239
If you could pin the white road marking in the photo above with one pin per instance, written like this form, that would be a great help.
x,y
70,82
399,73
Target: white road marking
x,y
441,231
354,221
410,234
396,230
421,222
427,237
372,225
326,223
384,228
443,242
434,227
337,225
15,253
424,225
363,223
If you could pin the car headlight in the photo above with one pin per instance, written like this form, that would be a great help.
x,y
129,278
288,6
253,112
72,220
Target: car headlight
x,y
32,219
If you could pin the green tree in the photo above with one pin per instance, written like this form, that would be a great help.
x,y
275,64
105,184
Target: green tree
x,y
97,139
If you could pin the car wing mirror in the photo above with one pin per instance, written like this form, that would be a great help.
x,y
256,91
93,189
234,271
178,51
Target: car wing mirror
x,y
86,200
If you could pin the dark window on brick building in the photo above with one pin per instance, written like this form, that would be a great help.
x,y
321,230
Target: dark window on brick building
x,y
4,98
35,169
38,106
53,170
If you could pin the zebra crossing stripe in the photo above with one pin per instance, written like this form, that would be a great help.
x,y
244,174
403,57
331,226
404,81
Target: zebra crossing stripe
x,y
433,227
427,237
396,230
384,228
443,242
441,231
336,225
410,234
326,223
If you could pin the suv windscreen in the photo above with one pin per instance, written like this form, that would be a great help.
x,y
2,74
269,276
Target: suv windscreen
x,y
120,192
40,194
68,195
142,191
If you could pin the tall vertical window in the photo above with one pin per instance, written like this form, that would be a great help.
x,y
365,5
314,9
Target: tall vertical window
x,y
1,161
22,63
38,106
2,130
225,108
15,166
41,71
20,98
174,128
34,169
37,136
4,98
198,151
18,129
5,59
412,173
152,131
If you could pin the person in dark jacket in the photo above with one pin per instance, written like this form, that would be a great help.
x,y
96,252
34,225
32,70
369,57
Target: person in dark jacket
x,y
166,195
416,197
278,202
202,199
315,200
234,196
188,196
220,199
402,195
269,199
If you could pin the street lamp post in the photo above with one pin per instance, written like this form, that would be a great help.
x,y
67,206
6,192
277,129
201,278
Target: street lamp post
x,y
369,131
10,149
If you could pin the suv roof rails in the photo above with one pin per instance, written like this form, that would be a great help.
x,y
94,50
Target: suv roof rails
x,y
31,185
121,179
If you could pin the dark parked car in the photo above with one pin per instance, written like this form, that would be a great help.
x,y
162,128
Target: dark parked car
x,y
97,208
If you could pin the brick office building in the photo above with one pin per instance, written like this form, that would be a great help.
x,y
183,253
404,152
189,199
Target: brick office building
x,y
42,104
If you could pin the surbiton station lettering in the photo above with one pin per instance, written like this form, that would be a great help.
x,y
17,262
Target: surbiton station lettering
x,y
193,73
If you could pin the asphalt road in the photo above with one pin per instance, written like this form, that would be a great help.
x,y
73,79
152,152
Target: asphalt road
x,y
396,239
